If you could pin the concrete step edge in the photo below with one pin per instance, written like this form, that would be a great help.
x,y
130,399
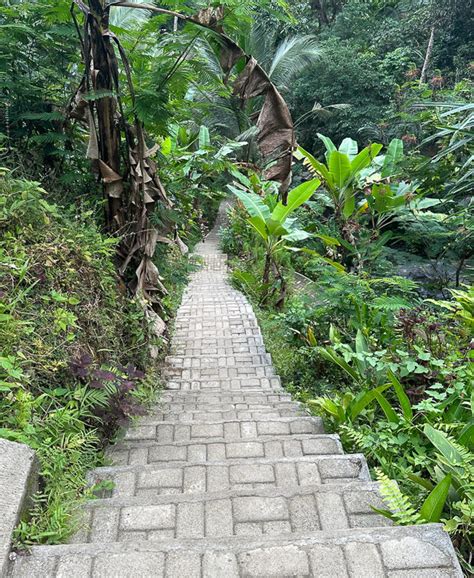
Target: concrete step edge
x,y
263,419
422,551
103,470
127,444
273,492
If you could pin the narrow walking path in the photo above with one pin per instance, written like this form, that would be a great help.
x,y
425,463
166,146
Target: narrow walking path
x,y
229,477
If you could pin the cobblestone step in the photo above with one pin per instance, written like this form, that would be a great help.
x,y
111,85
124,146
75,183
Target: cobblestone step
x,y
404,552
216,372
210,414
243,384
147,452
180,477
232,430
232,513
192,350
214,341
173,407
225,397
205,361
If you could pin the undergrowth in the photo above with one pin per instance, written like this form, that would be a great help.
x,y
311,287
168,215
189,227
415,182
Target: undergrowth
x,y
75,356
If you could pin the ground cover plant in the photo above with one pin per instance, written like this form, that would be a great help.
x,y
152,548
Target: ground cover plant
x,y
76,353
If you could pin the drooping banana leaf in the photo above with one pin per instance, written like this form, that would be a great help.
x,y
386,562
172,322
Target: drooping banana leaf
x,y
296,198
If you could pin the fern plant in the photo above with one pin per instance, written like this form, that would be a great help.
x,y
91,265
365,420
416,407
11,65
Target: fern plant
x,y
401,509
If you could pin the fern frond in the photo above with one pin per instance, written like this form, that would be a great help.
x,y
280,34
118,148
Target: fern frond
x,y
402,509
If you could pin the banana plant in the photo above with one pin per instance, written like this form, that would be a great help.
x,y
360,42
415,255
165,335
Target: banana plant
x,y
277,228
360,185
348,171
342,171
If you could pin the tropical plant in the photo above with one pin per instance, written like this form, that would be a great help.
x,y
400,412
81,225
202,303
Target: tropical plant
x,y
276,228
455,123
349,173
462,307
361,188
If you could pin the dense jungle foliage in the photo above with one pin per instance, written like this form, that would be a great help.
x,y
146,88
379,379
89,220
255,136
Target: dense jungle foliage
x,y
121,130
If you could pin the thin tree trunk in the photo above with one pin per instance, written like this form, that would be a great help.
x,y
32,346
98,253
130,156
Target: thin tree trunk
x,y
426,62
104,80
266,278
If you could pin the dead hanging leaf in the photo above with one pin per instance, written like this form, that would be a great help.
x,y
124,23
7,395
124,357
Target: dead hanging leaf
x,y
252,81
93,145
108,175
149,284
150,244
165,240
228,57
276,138
156,325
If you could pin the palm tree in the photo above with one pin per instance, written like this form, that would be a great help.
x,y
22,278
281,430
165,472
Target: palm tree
x,y
282,59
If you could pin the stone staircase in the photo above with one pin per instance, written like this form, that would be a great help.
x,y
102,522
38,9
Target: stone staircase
x,y
230,477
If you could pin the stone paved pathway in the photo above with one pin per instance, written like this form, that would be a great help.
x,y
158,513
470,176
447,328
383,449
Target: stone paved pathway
x,y
230,477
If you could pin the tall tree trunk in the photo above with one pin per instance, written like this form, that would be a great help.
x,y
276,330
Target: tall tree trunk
x,y
319,7
426,62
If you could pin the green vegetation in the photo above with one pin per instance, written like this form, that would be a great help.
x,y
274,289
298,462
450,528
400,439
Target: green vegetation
x,y
387,368
74,348
343,132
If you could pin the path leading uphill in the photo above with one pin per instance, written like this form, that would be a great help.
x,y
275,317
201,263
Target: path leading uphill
x,y
229,477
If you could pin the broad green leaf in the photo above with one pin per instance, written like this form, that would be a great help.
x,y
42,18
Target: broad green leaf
x,y
432,507
361,347
349,203
393,156
443,444
466,437
349,147
275,228
339,268
311,337
364,398
402,397
329,406
333,357
388,410
364,158
204,138
297,235
243,179
339,167
252,203
331,241
166,146
296,198
315,166
361,342
330,146
259,225
424,483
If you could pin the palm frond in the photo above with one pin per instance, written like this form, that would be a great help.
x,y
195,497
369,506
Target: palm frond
x,y
128,18
291,57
